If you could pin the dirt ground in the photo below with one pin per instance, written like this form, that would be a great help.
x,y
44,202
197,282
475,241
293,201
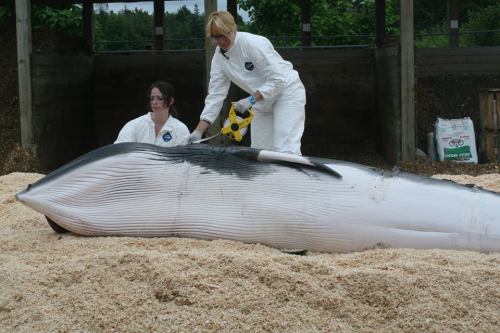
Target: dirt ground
x,y
66,283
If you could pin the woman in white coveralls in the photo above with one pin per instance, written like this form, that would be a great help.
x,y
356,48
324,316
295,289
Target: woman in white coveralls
x,y
158,126
277,96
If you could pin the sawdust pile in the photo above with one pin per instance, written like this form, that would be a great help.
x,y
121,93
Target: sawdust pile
x,y
66,283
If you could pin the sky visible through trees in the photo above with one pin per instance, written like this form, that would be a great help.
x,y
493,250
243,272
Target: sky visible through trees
x,y
172,6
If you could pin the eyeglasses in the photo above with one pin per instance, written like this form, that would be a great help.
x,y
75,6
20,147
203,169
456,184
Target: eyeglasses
x,y
217,37
152,98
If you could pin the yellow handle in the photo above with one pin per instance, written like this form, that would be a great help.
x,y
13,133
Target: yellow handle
x,y
236,123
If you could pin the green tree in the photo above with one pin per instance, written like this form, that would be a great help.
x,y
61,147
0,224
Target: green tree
x,y
5,16
484,27
431,24
332,22
67,19
469,7
273,18
184,29
436,36
124,30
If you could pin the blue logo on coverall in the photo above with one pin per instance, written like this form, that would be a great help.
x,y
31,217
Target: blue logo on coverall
x,y
167,137
249,66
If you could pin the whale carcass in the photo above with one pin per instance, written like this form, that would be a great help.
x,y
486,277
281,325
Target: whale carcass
x,y
259,196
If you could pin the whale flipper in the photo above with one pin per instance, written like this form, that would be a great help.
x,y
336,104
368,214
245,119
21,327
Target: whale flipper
x,y
284,158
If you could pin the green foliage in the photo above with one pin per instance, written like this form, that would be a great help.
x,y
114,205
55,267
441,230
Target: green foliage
x,y
134,30
429,15
124,30
479,26
469,7
436,36
332,22
67,19
339,22
5,15
274,18
348,22
184,30
431,24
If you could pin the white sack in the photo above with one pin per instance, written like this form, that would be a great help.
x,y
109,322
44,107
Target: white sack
x,y
455,140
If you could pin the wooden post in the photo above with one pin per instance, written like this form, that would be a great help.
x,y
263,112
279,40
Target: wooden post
x,y
306,22
453,9
23,34
88,25
408,141
380,22
489,118
159,14
210,6
232,7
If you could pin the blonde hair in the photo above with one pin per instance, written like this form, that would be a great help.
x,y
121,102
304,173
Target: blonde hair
x,y
223,20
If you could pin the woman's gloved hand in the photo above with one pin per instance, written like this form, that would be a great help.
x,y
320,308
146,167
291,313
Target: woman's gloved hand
x,y
244,104
194,136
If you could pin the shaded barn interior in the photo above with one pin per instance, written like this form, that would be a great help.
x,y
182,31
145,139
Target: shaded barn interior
x,y
104,91
81,101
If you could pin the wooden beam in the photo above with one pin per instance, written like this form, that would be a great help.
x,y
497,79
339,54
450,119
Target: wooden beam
x,y
408,141
88,26
306,22
453,9
23,35
380,22
159,14
232,7
210,6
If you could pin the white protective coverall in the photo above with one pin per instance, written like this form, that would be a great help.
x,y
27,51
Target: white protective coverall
x,y
253,64
142,129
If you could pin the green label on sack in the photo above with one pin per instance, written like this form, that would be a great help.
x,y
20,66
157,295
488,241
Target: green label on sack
x,y
461,153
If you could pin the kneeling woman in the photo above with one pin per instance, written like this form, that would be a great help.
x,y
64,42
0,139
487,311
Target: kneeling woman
x,y
158,126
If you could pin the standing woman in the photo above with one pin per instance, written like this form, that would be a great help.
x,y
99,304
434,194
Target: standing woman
x,y
277,96
158,126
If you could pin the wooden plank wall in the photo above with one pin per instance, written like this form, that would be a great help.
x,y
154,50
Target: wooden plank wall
x,y
81,102
121,83
483,60
62,110
340,107
339,85
388,101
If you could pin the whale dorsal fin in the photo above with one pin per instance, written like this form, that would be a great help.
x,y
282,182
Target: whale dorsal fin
x,y
284,158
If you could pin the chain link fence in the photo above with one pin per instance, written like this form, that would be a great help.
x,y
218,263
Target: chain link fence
x,y
422,40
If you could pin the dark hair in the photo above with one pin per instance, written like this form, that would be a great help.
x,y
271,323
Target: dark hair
x,y
168,93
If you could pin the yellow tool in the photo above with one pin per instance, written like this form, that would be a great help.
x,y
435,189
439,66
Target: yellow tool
x,y
235,126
